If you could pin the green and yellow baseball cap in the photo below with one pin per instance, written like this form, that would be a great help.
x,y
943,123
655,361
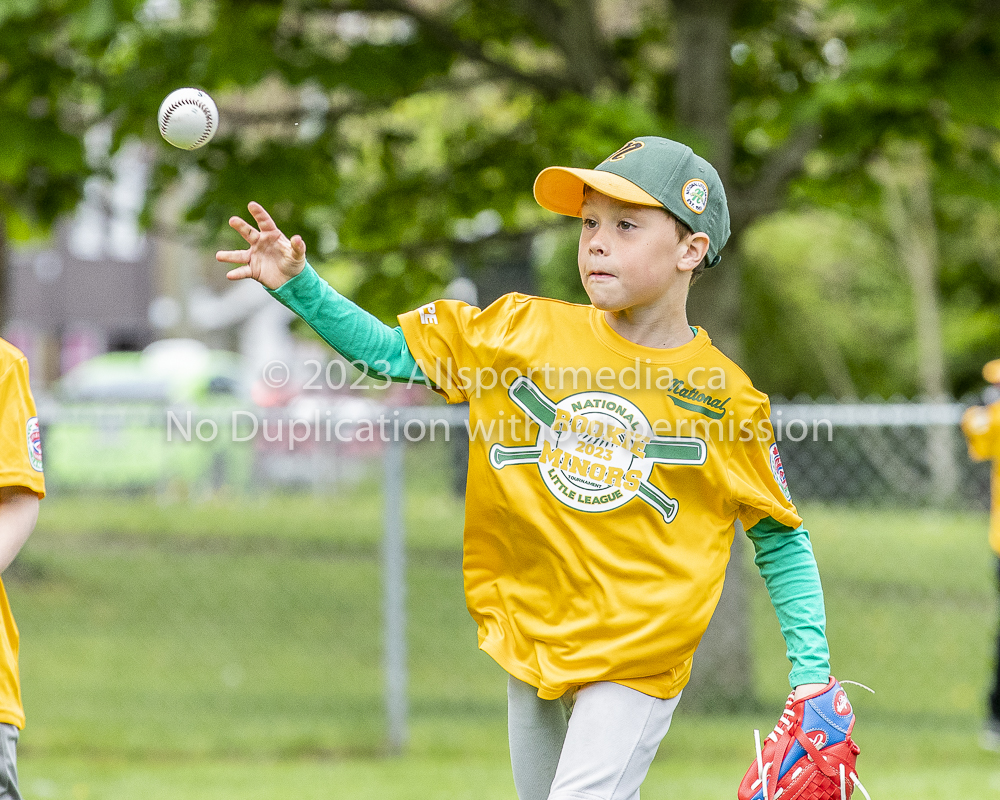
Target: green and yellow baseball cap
x,y
648,171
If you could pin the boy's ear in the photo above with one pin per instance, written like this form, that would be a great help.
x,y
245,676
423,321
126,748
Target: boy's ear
x,y
696,249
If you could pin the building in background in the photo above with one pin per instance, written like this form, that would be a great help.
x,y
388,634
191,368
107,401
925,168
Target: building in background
x,y
88,290
101,284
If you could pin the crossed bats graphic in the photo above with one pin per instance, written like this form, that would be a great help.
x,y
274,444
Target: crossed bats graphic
x,y
659,449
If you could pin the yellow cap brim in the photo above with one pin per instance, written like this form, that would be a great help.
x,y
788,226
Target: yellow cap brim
x,y
991,372
560,189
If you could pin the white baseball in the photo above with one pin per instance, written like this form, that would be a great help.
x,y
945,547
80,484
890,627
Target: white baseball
x,y
188,118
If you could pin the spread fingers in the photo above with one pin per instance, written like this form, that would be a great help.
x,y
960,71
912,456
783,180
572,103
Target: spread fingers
x,y
240,273
233,256
244,229
264,221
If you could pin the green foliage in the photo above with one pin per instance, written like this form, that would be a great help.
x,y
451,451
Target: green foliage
x,y
415,133
431,118
43,109
926,74
383,130
830,304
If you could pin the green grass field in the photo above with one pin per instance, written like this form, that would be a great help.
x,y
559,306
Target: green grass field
x,y
230,649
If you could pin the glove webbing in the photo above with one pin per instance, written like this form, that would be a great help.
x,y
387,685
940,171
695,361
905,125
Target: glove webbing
x,y
814,754
822,764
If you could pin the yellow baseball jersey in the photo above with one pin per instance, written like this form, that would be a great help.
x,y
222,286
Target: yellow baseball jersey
x,y
981,425
20,465
604,481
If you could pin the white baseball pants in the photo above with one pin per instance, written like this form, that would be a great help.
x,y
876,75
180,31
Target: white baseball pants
x,y
592,744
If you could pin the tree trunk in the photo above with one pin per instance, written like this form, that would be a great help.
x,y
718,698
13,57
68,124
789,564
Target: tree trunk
x,y
704,104
722,676
904,172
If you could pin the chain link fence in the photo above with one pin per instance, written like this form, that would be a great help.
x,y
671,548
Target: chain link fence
x,y
898,453
891,454
880,453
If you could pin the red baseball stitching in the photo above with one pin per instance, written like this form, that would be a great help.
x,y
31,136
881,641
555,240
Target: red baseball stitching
x,y
189,102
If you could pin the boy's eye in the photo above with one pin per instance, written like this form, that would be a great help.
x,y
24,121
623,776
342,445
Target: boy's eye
x,y
625,225
589,223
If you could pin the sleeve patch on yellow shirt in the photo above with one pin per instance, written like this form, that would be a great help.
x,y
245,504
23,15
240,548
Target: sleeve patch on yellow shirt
x,y
428,315
34,442
779,471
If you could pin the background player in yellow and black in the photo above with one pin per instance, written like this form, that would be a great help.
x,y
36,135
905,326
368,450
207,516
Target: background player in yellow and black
x,y
598,529
22,485
981,426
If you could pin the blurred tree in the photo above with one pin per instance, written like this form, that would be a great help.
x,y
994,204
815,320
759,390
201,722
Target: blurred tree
x,y
915,77
46,104
904,173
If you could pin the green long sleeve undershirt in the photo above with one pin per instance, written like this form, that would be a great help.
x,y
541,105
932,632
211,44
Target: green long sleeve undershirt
x,y
783,555
785,559
348,328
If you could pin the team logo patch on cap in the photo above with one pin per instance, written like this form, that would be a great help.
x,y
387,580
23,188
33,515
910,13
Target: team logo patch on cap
x,y
632,146
695,195
34,442
779,471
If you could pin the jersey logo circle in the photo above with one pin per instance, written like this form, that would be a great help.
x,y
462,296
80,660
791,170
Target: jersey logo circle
x,y
695,195
594,450
598,472
34,442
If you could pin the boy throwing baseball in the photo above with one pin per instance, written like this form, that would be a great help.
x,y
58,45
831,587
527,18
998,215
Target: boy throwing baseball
x,y
601,509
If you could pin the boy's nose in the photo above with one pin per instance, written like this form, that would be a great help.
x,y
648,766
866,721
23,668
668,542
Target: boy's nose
x,y
597,244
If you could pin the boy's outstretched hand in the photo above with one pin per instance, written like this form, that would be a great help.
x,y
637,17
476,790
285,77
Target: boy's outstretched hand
x,y
272,259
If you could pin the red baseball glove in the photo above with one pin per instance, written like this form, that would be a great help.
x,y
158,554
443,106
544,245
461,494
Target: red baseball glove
x,y
810,754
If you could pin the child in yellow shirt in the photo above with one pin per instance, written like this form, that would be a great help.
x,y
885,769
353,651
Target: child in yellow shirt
x,y
623,447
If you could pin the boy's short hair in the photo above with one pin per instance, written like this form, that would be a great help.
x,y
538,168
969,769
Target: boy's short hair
x,y
649,171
